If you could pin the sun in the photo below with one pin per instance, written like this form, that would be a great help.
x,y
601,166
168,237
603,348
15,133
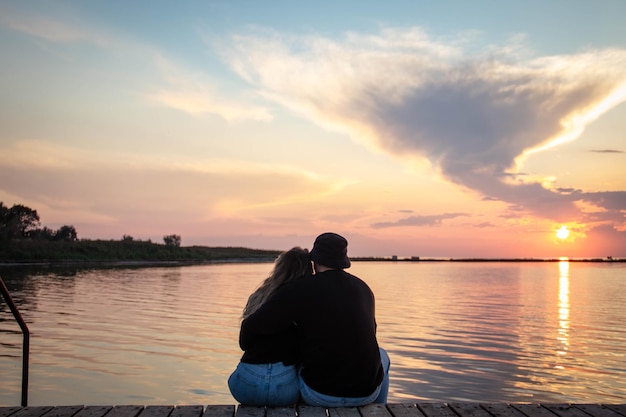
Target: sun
x,y
562,233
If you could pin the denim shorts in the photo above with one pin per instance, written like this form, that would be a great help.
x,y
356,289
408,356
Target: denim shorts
x,y
269,384
312,397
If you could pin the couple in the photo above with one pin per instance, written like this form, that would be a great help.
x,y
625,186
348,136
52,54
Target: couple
x,y
311,337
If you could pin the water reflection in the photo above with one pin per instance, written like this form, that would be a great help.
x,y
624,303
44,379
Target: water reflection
x,y
564,309
439,332
494,332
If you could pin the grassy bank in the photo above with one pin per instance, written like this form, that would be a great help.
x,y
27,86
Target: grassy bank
x,y
29,251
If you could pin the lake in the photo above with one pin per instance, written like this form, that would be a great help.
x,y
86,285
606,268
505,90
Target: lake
x,y
455,331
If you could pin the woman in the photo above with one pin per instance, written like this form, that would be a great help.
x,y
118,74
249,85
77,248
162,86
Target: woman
x,y
267,374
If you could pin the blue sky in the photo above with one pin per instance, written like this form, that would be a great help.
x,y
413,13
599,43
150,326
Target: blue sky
x,y
413,128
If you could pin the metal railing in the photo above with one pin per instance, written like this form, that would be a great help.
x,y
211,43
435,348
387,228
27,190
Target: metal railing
x,y
25,344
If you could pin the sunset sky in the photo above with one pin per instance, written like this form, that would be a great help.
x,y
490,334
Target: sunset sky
x,y
432,129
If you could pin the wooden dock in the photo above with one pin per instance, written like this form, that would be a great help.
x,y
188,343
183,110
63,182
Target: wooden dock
x,y
421,409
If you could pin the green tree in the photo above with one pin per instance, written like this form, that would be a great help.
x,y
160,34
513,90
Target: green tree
x,y
46,233
4,212
172,240
17,221
66,233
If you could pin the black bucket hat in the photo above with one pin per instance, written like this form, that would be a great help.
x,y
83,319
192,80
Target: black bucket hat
x,y
331,250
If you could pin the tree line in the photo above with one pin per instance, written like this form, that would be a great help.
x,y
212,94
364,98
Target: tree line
x,y
22,222
23,240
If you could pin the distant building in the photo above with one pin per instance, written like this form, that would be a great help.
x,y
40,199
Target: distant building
x,y
394,258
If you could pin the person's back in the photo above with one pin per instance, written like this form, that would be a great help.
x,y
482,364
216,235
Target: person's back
x,y
337,334
267,373
340,361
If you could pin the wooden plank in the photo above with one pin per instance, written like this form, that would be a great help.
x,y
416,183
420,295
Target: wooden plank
x,y
32,411
375,410
281,411
597,410
344,412
469,409
156,411
188,411
436,410
7,411
94,411
311,411
565,410
404,410
618,408
64,411
423,409
533,410
502,410
219,411
250,411
125,411
466,409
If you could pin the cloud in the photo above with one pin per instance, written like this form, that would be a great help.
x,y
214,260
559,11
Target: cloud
x,y
49,29
433,220
197,94
612,206
161,81
606,151
602,241
121,188
474,117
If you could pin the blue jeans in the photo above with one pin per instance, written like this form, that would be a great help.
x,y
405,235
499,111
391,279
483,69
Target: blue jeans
x,y
312,397
269,384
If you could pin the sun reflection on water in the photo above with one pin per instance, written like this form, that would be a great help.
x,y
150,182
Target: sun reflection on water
x,y
564,308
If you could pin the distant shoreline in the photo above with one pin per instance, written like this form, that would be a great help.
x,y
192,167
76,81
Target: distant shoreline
x,y
33,252
38,253
131,264
244,260
375,259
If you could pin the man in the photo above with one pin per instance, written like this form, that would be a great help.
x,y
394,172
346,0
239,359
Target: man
x,y
341,364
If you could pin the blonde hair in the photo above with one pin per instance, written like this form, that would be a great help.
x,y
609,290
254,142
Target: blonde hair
x,y
290,265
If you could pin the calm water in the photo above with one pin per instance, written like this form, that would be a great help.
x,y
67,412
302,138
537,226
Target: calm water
x,y
540,332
